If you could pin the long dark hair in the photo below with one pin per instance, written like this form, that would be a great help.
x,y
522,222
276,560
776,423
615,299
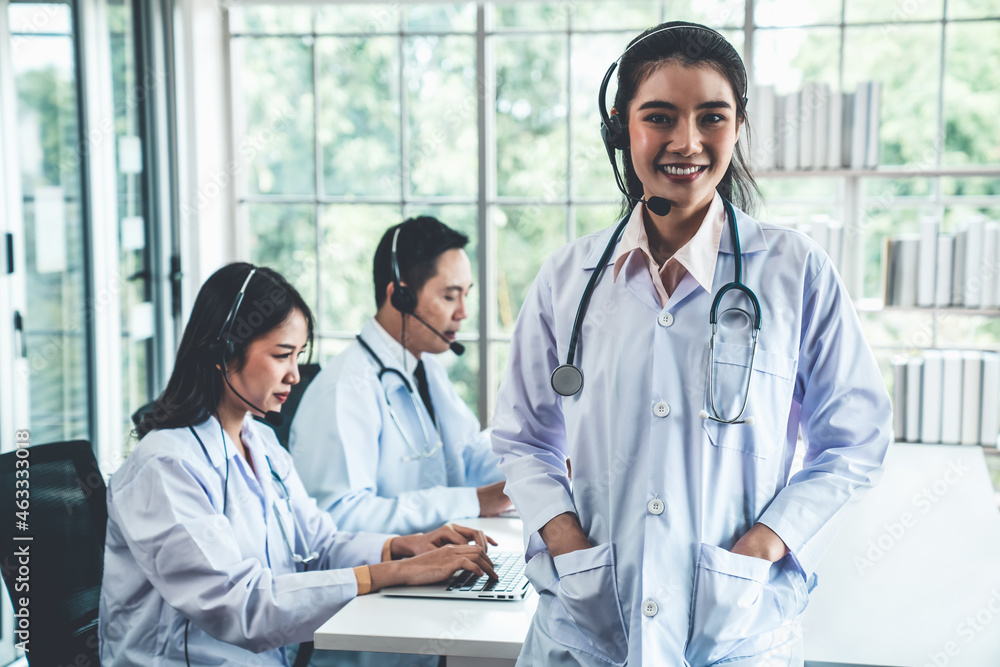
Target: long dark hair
x,y
691,45
195,386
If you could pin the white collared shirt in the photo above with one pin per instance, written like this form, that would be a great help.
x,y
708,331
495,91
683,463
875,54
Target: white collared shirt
x,y
697,257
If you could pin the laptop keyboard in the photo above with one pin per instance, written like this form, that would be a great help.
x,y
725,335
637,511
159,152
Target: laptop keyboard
x,y
509,566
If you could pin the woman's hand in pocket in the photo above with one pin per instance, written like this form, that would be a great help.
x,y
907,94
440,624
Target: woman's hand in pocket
x,y
761,542
563,534
586,612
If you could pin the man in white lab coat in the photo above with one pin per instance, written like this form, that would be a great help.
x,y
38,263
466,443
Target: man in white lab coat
x,y
381,438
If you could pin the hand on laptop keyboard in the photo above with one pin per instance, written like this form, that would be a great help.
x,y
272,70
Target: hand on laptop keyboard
x,y
509,567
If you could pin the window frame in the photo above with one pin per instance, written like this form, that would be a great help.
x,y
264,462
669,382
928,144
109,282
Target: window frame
x,y
851,200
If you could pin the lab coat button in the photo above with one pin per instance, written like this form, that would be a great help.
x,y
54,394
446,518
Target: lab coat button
x,y
649,608
665,320
661,409
655,506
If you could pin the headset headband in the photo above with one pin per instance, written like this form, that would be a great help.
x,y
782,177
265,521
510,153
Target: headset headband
x,y
403,299
225,333
602,95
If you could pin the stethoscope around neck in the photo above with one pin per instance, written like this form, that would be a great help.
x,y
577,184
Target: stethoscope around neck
x,y
415,453
567,379
298,534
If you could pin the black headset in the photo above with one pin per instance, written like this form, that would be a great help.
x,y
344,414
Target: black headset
x,y
614,128
403,298
567,378
223,346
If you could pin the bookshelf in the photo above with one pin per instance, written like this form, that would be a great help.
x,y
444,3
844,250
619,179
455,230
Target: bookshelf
x,y
851,202
854,201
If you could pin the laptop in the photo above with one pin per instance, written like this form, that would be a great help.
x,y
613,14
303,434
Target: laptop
x,y
465,585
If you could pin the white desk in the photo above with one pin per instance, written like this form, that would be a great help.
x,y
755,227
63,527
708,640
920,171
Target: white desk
x,y
904,604
908,570
470,632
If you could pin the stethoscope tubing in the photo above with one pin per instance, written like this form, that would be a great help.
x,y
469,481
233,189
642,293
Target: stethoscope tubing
x,y
383,371
567,379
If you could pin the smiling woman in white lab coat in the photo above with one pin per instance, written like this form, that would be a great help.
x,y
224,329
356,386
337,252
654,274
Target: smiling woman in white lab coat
x,y
683,539
214,551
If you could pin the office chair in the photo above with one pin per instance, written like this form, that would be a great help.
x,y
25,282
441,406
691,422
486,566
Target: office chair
x,y
67,517
307,372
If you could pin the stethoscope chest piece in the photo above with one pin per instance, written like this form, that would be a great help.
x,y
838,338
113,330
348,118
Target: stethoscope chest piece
x,y
567,380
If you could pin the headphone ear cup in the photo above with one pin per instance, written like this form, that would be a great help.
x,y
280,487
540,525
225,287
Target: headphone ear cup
x,y
222,348
403,299
615,132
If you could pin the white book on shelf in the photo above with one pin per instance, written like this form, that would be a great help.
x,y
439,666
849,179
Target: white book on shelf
x,y
835,132
789,131
991,399
820,123
927,264
951,405
899,396
974,272
958,268
859,127
991,258
874,122
945,255
914,379
807,109
972,388
819,230
763,121
890,269
931,398
906,276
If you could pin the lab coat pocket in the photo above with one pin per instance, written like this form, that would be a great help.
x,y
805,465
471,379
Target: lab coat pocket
x,y
739,598
767,400
585,612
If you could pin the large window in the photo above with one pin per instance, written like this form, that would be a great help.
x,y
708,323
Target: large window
x,y
351,117
54,336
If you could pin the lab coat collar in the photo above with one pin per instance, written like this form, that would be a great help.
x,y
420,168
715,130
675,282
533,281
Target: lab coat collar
x,y
387,348
751,235
600,243
211,435
751,240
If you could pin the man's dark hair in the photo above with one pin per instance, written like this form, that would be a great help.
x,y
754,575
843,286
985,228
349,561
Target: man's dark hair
x,y
421,242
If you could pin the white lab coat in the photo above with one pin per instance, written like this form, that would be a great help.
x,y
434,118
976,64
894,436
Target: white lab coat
x,y
660,493
350,453
172,554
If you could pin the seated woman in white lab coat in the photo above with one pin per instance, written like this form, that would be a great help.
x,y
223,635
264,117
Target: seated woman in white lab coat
x,y
709,342
215,554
